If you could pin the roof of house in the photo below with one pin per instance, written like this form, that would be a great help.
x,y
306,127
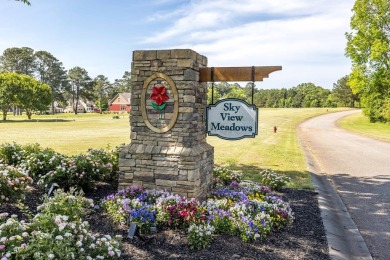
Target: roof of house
x,y
126,96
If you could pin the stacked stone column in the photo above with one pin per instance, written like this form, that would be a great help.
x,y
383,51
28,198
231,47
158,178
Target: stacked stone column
x,y
178,160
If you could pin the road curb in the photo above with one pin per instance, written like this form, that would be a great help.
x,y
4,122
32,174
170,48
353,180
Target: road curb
x,y
344,238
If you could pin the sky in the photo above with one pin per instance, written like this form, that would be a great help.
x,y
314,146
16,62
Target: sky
x,y
305,37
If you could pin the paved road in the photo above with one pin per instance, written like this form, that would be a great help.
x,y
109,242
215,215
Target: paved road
x,y
359,168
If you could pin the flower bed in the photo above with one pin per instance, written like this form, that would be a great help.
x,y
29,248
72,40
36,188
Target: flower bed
x,y
46,166
56,232
247,210
243,209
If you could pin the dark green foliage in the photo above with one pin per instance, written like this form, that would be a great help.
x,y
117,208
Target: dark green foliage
x,y
368,48
303,95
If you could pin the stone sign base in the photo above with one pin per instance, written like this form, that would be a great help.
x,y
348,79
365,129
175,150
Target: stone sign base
x,y
174,169
168,149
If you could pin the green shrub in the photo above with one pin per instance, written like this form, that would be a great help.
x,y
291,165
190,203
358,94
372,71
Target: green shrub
x,y
272,179
13,183
80,171
225,175
31,148
71,204
39,163
57,232
106,163
11,154
200,235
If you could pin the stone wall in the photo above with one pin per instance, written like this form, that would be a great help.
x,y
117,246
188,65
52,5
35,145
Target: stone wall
x,y
178,160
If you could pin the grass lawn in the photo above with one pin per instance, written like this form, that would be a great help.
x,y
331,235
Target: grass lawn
x,y
70,134
67,133
280,152
361,124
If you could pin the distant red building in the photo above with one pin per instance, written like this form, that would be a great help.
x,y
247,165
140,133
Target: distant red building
x,y
120,103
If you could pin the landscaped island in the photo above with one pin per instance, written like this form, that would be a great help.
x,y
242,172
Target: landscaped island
x,y
246,210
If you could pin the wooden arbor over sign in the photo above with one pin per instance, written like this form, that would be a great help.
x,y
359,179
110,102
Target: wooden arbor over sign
x,y
212,74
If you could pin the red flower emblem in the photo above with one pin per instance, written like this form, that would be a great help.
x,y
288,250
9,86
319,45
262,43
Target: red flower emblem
x,y
159,95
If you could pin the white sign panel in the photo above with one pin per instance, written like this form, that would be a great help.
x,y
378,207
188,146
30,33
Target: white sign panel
x,y
232,119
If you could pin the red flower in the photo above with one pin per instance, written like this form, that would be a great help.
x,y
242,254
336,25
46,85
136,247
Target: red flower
x,y
159,95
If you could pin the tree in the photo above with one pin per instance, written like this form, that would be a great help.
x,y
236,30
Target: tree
x,y
24,1
368,47
81,86
24,91
342,92
33,95
9,88
236,92
19,60
122,85
212,98
51,72
102,87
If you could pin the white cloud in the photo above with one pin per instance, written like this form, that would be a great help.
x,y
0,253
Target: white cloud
x,y
305,37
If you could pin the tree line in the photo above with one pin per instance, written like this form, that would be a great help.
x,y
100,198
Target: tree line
x,y
303,95
368,47
39,78
32,80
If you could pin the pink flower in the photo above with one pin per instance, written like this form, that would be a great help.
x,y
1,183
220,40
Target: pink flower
x,y
2,247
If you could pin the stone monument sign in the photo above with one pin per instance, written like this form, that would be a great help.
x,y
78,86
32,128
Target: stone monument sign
x,y
168,148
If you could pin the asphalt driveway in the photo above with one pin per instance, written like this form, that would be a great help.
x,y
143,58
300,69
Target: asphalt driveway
x,y
359,168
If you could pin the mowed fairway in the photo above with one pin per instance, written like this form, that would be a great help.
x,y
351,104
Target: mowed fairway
x,y
70,134
67,133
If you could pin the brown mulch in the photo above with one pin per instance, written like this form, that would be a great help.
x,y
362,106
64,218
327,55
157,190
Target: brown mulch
x,y
304,240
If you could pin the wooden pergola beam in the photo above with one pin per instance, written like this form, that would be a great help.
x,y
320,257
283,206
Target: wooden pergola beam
x,y
256,73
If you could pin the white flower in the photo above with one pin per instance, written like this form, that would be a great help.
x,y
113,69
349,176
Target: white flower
x,y
59,237
61,226
51,256
57,219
